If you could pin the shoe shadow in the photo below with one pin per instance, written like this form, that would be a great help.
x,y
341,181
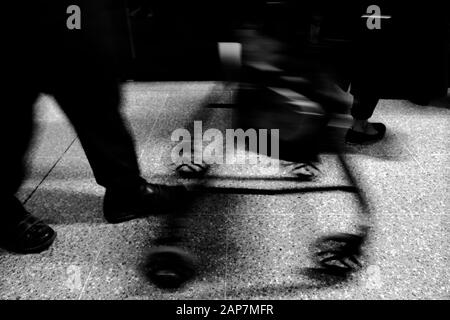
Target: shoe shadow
x,y
310,279
390,148
66,206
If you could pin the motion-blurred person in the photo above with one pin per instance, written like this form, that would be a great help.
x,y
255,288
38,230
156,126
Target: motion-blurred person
x,y
77,66
291,89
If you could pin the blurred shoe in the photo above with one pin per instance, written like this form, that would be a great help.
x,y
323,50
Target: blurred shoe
x,y
303,171
121,204
26,234
190,169
357,137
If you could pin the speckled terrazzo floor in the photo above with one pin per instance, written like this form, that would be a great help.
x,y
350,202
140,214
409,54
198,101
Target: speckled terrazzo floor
x,y
248,246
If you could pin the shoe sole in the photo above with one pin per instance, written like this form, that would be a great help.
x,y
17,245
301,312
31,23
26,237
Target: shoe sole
x,y
365,143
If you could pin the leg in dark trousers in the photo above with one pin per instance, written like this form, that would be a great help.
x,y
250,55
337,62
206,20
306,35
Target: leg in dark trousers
x,y
17,112
362,130
92,106
90,97
19,230
363,106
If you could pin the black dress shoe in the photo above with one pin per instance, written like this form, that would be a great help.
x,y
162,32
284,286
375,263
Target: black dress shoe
x,y
26,234
121,204
356,137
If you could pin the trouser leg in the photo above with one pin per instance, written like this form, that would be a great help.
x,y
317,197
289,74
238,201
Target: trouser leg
x,y
17,113
363,106
92,107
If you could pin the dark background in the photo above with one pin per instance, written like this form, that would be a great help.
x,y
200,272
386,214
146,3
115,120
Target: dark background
x,y
177,40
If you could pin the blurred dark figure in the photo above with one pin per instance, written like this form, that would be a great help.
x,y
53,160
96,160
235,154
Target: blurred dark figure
x,y
80,69
284,86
